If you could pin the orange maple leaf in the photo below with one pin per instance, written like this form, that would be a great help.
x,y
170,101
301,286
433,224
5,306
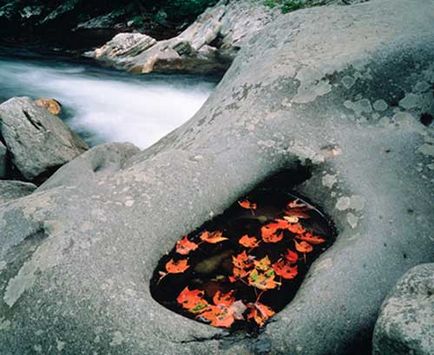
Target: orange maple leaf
x,y
269,233
285,270
260,313
226,299
218,316
308,237
212,237
177,267
242,261
295,228
291,256
247,205
185,246
248,242
303,247
238,273
192,300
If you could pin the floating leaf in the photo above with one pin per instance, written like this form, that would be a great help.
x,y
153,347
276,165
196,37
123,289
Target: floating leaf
x,y
242,261
291,256
296,228
297,209
303,247
212,237
219,316
185,246
291,219
263,280
260,313
248,242
247,205
297,204
269,233
177,267
225,299
308,237
239,273
263,264
192,300
285,270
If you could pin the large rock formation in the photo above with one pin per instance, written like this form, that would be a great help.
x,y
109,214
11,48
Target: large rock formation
x,y
339,90
38,142
208,45
406,322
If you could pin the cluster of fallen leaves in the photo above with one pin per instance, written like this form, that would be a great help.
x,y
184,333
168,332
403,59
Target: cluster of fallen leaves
x,y
261,274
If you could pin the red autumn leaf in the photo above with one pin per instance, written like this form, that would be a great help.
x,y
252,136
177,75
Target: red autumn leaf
x,y
291,256
247,205
212,237
248,242
192,300
242,261
232,279
177,267
185,246
225,299
308,237
260,313
219,316
239,273
269,233
303,247
296,228
285,270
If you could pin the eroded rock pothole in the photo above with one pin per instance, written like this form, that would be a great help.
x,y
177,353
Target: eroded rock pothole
x,y
241,268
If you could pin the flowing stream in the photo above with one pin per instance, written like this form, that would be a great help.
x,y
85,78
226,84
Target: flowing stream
x,y
105,105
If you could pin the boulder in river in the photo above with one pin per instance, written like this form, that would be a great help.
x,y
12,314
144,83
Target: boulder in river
x,y
38,142
336,91
406,322
207,45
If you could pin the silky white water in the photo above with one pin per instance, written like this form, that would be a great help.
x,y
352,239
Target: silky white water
x,y
105,105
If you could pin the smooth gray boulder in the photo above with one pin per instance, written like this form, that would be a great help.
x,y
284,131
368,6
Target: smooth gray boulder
x,y
11,190
38,141
325,88
406,321
3,160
